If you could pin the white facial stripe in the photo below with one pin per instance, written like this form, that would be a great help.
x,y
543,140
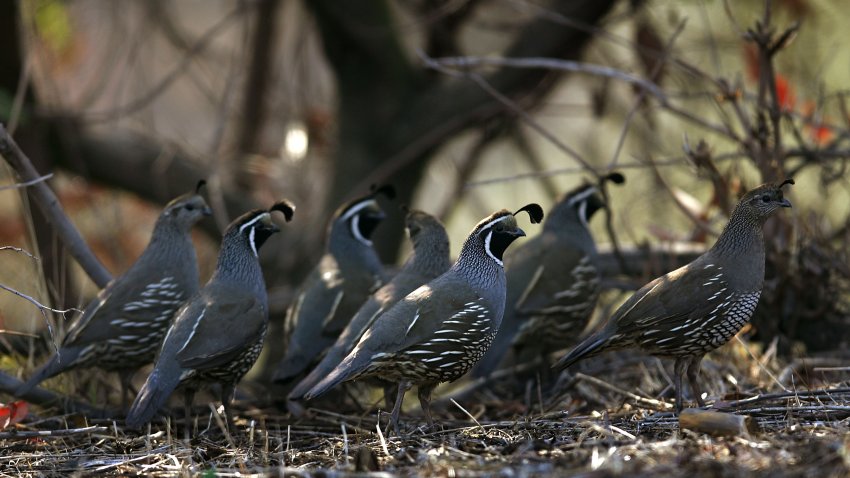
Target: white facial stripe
x,y
252,242
355,231
357,208
252,221
487,248
582,213
494,221
582,196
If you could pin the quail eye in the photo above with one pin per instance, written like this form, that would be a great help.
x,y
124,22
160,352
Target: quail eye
x,y
189,207
765,198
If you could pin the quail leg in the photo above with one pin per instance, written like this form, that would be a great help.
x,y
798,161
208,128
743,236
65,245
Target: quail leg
x,y
425,402
403,387
679,371
693,379
126,377
188,418
389,395
227,392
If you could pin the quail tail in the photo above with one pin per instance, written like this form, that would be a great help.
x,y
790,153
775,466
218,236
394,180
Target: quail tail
x,y
589,347
349,368
152,396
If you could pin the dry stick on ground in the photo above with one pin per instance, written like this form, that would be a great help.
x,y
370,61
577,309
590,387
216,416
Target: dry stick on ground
x,y
637,398
49,205
25,435
45,398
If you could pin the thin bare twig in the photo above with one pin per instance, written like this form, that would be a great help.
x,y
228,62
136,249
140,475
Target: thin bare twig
x,y
19,250
24,435
27,183
37,303
637,398
150,95
466,63
466,412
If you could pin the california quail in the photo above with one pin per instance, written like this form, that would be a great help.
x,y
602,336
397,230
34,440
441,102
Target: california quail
x,y
553,283
218,333
429,259
346,275
437,332
695,309
121,329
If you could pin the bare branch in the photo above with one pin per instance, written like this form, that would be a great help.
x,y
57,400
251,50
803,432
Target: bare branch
x,y
464,63
37,303
150,95
49,205
27,183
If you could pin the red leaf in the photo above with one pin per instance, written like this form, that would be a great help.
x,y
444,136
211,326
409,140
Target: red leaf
x,y
12,413
785,94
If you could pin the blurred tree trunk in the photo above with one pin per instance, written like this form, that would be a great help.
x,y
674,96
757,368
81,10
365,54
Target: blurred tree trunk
x,y
392,112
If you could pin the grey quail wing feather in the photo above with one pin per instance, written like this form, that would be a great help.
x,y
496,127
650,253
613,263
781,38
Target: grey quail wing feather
x,y
220,335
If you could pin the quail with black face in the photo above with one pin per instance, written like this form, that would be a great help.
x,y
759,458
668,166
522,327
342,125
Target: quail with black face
x,y
346,275
553,284
218,333
437,332
429,259
695,309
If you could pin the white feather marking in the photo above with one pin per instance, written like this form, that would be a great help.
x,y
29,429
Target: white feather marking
x,y
357,208
194,328
487,240
252,242
355,231
412,323
252,222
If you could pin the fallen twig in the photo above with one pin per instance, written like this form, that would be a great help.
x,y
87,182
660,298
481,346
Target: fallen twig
x,y
24,434
637,398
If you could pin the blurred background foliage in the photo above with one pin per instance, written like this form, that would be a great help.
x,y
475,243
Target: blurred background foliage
x,y
129,103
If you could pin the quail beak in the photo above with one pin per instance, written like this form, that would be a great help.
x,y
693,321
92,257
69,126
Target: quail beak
x,y
518,232
269,225
377,215
785,203
207,211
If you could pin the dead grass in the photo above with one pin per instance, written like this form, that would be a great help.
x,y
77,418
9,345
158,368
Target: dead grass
x,y
610,419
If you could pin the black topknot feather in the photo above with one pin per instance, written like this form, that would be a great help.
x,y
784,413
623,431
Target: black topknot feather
x,y
535,212
284,206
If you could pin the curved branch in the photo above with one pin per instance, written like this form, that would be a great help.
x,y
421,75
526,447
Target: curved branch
x,y
49,205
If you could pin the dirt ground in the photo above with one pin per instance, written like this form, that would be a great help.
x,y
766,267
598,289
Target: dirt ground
x,y
611,418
